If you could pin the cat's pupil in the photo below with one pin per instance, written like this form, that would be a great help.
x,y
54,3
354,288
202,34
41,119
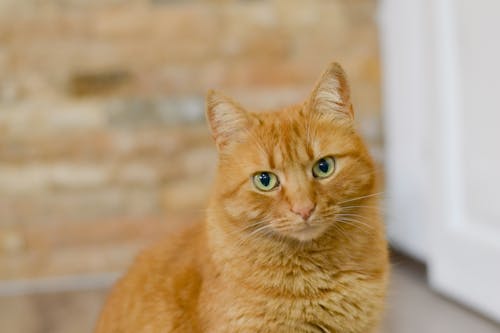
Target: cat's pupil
x,y
323,165
265,179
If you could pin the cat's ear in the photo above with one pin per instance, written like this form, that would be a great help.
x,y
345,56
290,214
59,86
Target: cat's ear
x,y
331,96
227,119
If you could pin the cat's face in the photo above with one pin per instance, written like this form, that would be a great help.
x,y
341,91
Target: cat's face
x,y
288,173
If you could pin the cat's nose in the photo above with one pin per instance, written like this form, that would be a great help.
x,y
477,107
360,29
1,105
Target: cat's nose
x,y
304,210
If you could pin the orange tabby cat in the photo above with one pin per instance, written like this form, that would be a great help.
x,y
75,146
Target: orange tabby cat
x,y
292,241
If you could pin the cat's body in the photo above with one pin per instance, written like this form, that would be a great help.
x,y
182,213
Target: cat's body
x,y
307,255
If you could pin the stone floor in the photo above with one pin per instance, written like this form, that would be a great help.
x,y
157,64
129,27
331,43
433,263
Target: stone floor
x,y
413,308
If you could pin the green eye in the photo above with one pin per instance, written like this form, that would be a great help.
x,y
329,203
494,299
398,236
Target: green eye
x,y
324,167
265,181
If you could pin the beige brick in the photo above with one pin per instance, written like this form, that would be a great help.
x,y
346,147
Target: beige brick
x,y
49,116
32,178
186,195
63,249
137,174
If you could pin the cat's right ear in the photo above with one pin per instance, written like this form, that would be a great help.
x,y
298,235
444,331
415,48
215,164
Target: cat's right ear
x,y
331,98
227,119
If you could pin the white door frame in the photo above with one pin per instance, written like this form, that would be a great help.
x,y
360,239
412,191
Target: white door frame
x,y
464,260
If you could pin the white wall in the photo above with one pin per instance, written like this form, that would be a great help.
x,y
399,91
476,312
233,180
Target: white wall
x,y
441,62
405,62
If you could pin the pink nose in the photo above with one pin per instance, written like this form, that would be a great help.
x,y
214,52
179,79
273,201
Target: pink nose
x,y
304,210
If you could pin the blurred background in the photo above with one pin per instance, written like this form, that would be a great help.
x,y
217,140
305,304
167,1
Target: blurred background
x,y
104,148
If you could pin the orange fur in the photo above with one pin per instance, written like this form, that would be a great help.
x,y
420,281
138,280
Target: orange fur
x,y
254,265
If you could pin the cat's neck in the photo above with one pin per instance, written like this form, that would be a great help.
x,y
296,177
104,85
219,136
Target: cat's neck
x,y
271,262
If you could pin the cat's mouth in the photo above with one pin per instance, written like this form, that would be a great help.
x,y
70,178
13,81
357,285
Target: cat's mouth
x,y
306,232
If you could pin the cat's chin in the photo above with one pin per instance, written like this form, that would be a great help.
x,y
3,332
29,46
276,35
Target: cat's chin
x,y
307,232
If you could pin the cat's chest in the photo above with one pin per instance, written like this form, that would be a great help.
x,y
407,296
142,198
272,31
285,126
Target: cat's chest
x,y
344,306
278,315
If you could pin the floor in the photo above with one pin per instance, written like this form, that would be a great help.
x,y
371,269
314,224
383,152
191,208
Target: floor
x,y
413,308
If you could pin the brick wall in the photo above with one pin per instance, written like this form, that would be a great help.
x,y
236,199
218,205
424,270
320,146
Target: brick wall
x,y
102,142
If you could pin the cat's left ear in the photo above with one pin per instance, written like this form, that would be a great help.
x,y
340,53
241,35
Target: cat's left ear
x,y
227,119
331,96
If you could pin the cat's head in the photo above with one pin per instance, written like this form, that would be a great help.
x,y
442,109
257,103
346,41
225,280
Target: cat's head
x,y
289,172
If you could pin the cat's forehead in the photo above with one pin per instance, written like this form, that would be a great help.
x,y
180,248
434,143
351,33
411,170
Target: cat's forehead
x,y
284,138
290,137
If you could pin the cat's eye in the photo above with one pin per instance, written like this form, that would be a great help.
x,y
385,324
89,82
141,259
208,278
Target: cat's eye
x,y
324,167
265,181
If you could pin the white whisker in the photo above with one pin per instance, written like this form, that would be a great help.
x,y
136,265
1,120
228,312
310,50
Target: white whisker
x,y
353,215
355,223
362,197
